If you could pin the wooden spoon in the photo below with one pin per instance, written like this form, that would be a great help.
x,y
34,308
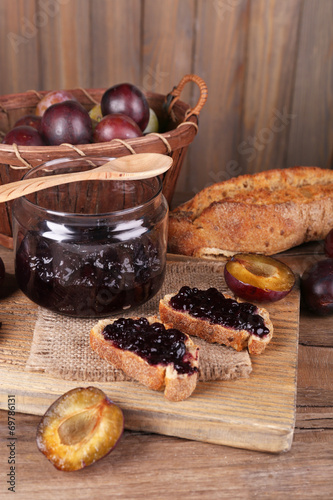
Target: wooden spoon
x,y
131,167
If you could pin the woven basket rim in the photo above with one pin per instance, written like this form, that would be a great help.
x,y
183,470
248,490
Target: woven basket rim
x,y
164,142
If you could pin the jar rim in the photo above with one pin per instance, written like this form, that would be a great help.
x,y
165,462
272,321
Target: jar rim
x,y
115,213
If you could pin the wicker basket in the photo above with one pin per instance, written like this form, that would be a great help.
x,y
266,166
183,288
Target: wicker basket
x,y
178,124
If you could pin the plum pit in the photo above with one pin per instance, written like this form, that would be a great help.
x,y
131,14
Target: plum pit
x,y
78,427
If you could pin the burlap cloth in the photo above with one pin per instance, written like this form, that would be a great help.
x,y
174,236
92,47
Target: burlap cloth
x,y
61,348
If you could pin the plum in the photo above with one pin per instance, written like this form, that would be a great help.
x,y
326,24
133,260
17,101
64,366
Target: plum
x,y
116,126
66,121
328,244
96,113
30,120
79,428
152,125
258,278
24,135
51,98
127,99
317,287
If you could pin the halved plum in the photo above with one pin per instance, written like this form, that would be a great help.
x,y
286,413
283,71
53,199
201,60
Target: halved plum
x,y
258,278
79,428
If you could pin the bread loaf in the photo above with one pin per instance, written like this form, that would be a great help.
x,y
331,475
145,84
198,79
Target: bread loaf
x,y
266,213
212,332
177,385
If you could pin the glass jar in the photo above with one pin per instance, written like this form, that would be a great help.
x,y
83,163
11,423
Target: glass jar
x,y
90,248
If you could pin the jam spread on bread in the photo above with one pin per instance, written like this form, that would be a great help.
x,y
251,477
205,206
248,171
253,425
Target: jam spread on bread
x,y
152,342
211,305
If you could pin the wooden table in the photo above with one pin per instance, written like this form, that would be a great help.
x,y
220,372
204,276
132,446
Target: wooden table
x,y
153,466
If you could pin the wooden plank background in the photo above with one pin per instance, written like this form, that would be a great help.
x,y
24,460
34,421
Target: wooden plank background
x,y
268,65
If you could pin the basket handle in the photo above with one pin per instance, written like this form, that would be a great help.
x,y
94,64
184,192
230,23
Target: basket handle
x,y
174,95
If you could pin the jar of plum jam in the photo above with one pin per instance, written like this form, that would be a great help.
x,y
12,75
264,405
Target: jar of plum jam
x,y
90,248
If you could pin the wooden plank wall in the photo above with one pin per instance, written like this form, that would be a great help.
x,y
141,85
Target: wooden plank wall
x,y
268,65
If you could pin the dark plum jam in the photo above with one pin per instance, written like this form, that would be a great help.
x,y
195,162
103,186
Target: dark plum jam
x,y
154,342
89,273
212,306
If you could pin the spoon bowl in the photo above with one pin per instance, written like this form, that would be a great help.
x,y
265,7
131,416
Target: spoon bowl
x,y
130,167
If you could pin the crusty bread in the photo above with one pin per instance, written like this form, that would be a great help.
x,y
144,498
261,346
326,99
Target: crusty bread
x,y
177,387
212,332
266,213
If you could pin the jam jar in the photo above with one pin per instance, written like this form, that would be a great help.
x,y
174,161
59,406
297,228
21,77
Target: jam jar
x,y
90,248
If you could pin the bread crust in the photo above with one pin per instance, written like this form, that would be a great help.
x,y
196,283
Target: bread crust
x,y
177,387
212,332
266,213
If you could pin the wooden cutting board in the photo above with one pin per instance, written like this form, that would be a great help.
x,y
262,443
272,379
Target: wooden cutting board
x,y
257,413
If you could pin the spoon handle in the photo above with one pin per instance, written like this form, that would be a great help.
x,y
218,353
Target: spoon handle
x,y
27,186
131,167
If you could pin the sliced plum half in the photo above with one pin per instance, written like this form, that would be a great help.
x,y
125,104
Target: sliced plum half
x,y
258,278
79,428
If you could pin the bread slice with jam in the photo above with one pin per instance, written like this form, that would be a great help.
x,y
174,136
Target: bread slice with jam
x,y
155,354
218,318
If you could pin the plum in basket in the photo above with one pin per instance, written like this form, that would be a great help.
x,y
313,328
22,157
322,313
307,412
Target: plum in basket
x,y
66,121
117,126
30,120
127,99
23,135
53,97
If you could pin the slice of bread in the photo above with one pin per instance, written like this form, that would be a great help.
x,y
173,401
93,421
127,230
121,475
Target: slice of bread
x,y
266,213
177,386
213,332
